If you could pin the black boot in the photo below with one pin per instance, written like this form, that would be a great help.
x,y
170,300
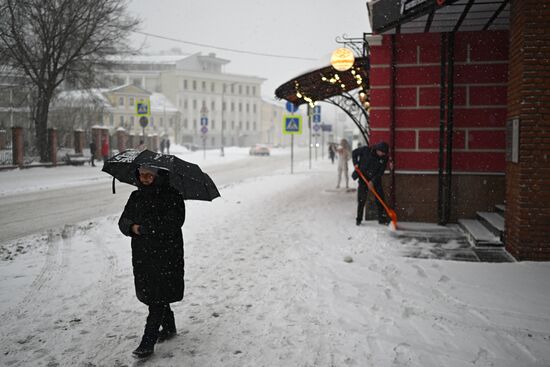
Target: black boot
x,y
145,348
151,333
168,326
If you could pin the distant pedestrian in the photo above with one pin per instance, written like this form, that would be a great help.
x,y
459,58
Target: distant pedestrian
x,y
372,163
331,152
344,155
162,144
93,149
153,217
167,146
105,148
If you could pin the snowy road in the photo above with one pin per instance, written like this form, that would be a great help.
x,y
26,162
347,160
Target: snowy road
x,y
33,212
267,285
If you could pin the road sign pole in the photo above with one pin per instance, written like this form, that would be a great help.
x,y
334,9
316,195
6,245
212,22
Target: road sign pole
x,y
309,115
292,154
316,142
322,143
204,147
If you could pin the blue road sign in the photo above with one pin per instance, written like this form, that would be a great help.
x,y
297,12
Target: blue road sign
x,y
316,127
291,107
204,121
316,118
204,129
292,124
317,110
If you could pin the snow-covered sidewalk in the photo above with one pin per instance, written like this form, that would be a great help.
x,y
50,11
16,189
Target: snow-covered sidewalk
x,y
267,285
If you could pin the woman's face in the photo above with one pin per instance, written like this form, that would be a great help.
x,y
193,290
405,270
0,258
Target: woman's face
x,y
146,177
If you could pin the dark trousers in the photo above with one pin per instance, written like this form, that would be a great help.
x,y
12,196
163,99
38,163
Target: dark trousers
x,y
92,160
362,194
157,313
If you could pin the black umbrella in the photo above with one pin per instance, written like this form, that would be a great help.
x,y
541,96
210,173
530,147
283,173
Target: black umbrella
x,y
185,177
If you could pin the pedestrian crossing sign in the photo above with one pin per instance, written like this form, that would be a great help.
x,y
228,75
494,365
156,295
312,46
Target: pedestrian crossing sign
x,y
292,124
143,107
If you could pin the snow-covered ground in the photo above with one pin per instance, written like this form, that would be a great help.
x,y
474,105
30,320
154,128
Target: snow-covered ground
x,y
277,274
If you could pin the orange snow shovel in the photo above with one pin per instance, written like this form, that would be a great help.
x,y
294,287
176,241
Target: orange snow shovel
x,y
389,211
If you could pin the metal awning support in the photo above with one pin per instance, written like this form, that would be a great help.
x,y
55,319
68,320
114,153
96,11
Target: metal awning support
x,y
347,90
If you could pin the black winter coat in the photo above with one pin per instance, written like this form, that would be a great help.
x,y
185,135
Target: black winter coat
x,y
369,162
157,253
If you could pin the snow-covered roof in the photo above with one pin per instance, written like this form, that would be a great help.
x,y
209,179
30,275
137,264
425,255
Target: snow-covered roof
x,y
159,103
149,59
82,97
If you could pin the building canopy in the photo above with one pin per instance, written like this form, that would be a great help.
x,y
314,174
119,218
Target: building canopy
x,y
324,83
417,16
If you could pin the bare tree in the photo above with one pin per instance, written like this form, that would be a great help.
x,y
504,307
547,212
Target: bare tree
x,y
54,40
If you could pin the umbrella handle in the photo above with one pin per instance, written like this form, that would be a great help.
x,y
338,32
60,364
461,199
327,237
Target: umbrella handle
x,y
114,192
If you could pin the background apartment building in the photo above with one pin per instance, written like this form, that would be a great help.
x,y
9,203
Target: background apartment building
x,y
197,86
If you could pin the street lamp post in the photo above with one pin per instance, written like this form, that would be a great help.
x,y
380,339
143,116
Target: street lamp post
x,y
222,142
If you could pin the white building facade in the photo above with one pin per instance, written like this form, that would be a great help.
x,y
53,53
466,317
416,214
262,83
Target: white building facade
x,y
197,87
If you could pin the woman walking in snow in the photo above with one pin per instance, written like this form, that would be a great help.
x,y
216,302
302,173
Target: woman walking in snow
x,y
344,155
153,217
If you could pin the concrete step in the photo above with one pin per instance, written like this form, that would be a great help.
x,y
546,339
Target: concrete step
x,y
500,208
493,221
478,234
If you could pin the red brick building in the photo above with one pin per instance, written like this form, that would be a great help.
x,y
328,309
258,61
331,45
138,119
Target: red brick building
x,y
460,89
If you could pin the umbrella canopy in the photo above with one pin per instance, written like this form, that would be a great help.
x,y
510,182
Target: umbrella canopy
x,y
185,177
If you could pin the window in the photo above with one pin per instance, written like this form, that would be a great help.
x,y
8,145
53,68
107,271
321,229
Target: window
x,y
121,120
223,106
121,101
247,108
224,87
247,90
212,124
185,103
194,85
185,84
254,108
213,141
232,106
195,124
194,104
132,121
240,89
232,88
247,125
203,85
185,123
254,126
232,125
212,87
111,119
213,105
152,121
240,107
253,91
131,101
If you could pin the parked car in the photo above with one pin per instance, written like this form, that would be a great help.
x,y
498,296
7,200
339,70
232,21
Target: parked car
x,y
259,149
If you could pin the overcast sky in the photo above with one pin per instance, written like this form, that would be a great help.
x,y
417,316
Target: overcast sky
x,y
300,28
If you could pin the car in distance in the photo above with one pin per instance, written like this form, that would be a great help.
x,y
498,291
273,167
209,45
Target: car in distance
x,y
259,149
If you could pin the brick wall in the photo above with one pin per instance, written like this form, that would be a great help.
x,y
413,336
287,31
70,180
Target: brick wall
x,y
528,181
481,74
